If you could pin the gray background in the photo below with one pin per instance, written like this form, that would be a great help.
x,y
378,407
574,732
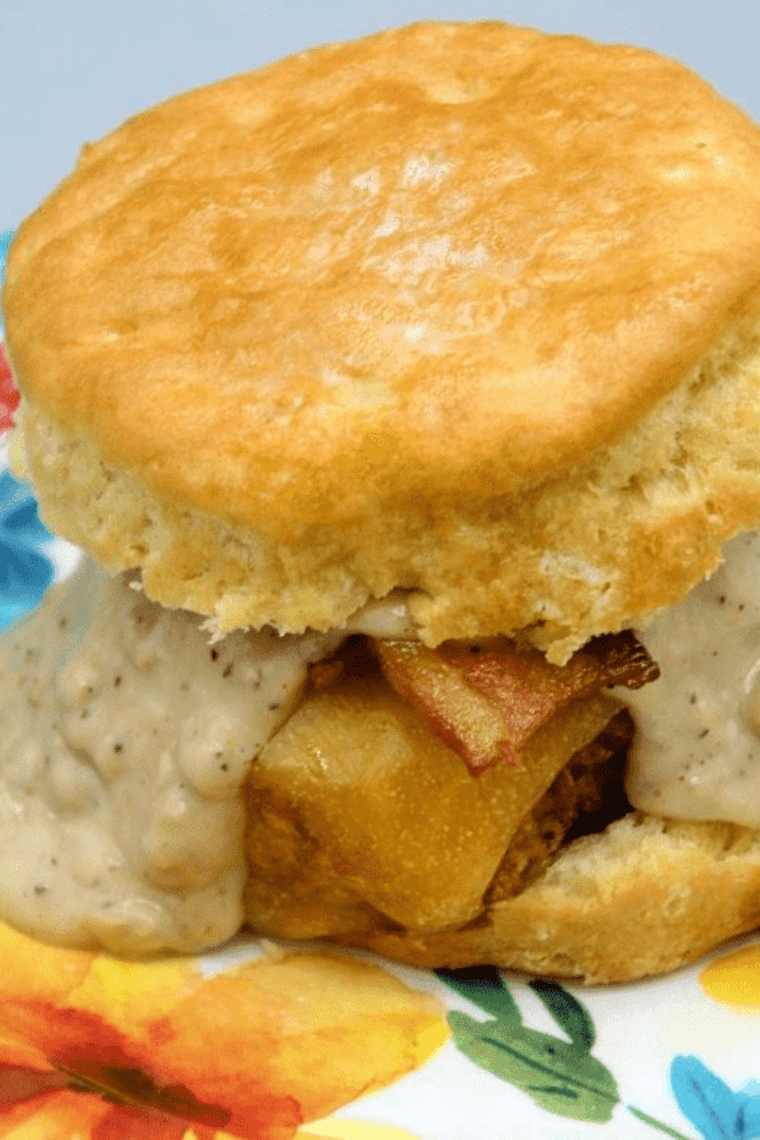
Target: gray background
x,y
70,71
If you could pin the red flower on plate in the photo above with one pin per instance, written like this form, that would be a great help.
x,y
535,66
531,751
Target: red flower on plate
x,y
92,1048
9,396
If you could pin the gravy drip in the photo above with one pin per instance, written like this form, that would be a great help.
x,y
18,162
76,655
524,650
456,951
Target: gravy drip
x,y
124,741
696,750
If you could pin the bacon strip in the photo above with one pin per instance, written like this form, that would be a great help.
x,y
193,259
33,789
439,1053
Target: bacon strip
x,y
485,699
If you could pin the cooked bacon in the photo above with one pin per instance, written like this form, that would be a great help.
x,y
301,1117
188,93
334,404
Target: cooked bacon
x,y
460,713
486,699
623,659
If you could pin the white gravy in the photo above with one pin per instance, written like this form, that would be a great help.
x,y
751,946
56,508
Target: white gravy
x,y
124,740
696,751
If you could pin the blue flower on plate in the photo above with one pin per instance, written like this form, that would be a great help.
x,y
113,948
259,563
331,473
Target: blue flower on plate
x,y
25,571
5,241
715,1109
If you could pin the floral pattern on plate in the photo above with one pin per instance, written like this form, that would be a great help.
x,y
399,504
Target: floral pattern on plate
x,y
562,1076
25,570
94,1048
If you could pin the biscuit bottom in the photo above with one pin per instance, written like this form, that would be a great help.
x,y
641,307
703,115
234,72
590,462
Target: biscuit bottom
x,y
646,896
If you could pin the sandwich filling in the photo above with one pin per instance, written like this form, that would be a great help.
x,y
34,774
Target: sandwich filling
x,y
127,739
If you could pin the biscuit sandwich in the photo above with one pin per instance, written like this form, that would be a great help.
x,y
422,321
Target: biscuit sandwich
x,y
404,396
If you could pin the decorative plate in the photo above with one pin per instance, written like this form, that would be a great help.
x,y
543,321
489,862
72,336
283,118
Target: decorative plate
x,y
266,1043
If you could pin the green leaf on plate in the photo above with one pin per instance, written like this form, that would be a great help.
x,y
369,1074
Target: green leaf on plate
x,y
567,1011
485,988
133,1088
561,1076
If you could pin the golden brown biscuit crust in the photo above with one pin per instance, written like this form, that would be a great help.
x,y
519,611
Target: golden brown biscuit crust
x,y
646,896
416,284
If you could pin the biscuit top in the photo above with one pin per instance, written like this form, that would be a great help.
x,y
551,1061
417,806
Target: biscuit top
x,y
431,268
443,260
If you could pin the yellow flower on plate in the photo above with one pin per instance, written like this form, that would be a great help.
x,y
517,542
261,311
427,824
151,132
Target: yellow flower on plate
x,y
734,979
335,1129
253,1051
